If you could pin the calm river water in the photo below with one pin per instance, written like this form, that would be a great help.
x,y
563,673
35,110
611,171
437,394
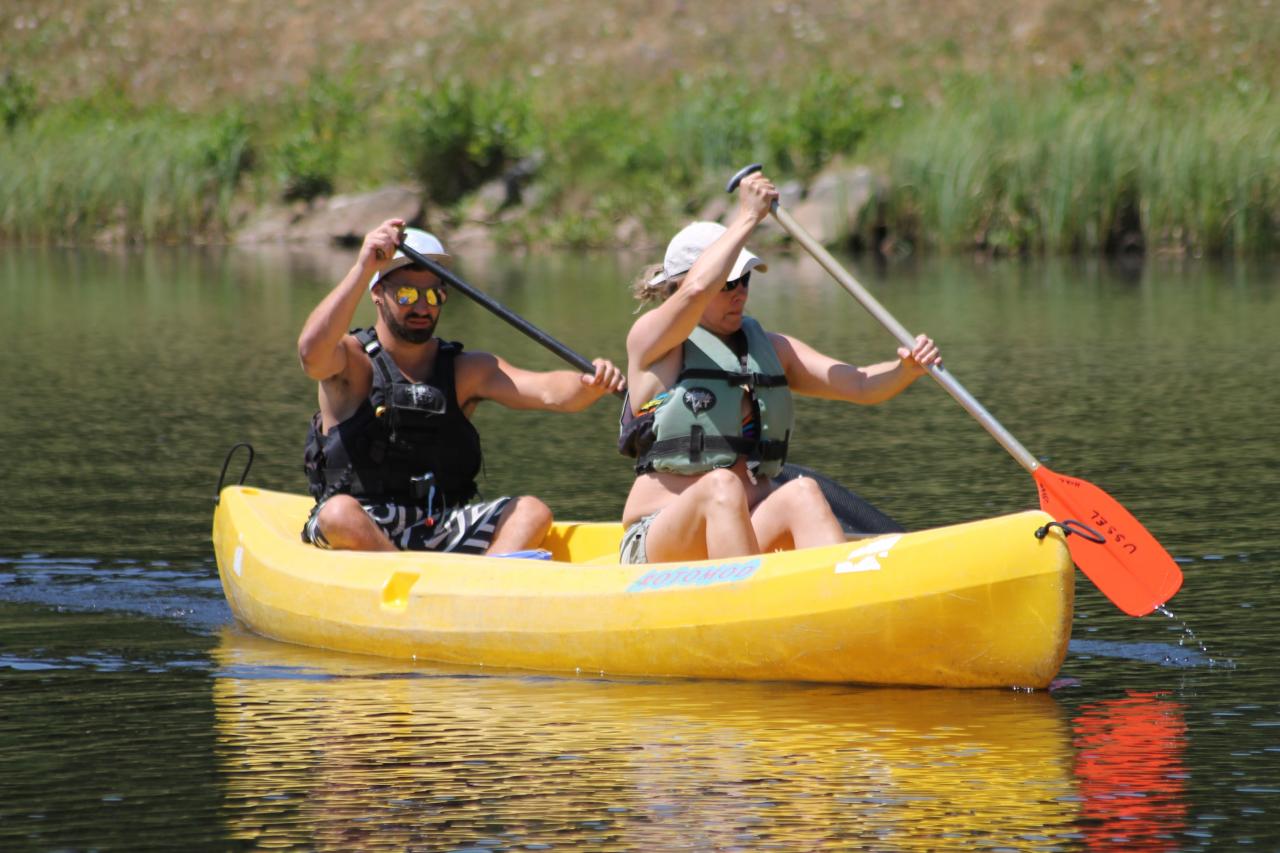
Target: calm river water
x,y
134,714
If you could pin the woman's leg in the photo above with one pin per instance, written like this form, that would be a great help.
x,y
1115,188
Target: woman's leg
x,y
796,515
708,520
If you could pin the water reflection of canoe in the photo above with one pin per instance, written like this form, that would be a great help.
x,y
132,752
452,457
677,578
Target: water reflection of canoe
x,y
972,605
323,750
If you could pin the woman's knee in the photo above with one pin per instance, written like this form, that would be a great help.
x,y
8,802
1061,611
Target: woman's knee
x,y
721,487
804,492
802,500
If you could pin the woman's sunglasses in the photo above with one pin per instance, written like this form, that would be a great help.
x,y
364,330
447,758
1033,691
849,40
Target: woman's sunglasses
x,y
744,280
408,295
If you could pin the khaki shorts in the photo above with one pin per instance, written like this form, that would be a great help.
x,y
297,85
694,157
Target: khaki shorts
x,y
633,548
465,529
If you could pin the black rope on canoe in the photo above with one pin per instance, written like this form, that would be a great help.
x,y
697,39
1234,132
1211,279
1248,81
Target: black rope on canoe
x,y
1069,526
217,495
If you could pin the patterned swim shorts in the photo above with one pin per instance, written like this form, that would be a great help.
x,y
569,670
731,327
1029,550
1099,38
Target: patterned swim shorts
x,y
460,530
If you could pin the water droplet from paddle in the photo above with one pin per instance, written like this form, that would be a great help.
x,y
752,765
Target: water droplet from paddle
x,y
1189,636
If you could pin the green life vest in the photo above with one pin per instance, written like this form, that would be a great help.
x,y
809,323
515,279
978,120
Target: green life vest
x,y
697,425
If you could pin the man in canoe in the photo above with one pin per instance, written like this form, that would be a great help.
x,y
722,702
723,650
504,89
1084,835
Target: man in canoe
x,y
709,416
392,455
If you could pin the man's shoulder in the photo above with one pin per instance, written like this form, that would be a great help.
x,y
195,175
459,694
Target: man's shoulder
x,y
360,344
358,369
472,360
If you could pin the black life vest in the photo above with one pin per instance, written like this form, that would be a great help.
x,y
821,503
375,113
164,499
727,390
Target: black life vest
x,y
408,442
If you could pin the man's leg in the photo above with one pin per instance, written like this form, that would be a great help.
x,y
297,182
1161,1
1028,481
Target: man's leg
x,y
345,526
524,523
796,515
708,520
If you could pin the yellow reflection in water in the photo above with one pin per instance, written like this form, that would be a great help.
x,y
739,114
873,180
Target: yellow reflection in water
x,y
330,751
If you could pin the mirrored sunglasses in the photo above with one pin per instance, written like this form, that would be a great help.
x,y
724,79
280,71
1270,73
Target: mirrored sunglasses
x,y
744,280
408,295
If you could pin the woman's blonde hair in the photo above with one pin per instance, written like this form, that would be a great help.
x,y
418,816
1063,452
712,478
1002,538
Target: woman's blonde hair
x,y
646,291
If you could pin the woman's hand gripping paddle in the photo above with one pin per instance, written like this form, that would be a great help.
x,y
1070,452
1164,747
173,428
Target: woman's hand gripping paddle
x,y
1129,566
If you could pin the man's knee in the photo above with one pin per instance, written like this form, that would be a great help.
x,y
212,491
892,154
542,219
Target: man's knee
x,y
524,523
345,525
339,513
528,510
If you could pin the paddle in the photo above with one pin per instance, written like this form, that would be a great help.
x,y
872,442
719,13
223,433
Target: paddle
x,y
855,514
1128,565
442,272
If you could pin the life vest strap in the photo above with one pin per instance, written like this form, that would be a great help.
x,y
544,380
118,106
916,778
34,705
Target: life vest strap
x,y
733,377
698,442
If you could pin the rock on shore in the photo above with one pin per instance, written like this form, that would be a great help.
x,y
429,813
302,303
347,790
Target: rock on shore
x,y
831,208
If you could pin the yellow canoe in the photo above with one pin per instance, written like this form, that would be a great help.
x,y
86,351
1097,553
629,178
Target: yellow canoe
x,y
983,604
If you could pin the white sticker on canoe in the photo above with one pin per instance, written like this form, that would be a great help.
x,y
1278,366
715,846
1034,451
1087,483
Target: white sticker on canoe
x,y
866,557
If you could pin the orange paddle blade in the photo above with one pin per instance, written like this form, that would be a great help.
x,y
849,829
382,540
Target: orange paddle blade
x,y
1130,567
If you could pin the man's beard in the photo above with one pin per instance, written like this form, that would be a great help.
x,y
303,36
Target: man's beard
x,y
412,335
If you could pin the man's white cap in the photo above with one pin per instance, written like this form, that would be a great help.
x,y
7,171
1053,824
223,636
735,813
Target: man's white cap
x,y
691,242
422,243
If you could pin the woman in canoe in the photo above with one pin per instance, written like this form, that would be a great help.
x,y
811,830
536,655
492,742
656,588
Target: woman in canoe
x,y
708,416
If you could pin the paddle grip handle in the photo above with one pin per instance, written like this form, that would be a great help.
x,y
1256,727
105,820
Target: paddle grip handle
x,y
742,173
568,354
899,332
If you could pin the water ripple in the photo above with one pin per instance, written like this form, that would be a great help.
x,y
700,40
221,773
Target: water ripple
x,y
187,594
1162,654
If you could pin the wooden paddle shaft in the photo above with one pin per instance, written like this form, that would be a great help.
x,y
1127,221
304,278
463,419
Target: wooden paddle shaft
x,y
905,338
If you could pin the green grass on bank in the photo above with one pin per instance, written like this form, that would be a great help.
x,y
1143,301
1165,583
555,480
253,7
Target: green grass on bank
x,y
1065,171
1071,165
69,175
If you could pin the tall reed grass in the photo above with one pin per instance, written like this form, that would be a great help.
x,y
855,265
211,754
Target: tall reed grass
x,y
1059,172
1062,167
71,174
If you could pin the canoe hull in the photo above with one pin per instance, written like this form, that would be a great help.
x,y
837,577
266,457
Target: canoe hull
x,y
984,604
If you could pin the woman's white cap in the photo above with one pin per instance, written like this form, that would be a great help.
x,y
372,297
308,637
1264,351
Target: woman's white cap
x,y
422,243
690,243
